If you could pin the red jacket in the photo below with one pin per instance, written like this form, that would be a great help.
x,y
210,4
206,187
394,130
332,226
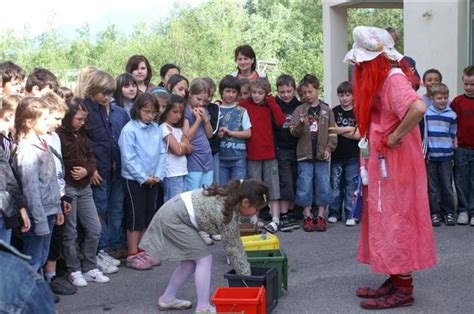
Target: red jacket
x,y
261,145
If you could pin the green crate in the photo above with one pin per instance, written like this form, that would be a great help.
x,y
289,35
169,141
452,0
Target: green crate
x,y
268,258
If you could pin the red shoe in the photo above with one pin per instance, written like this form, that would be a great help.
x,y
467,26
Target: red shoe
x,y
320,224
370,293
400,296
308,225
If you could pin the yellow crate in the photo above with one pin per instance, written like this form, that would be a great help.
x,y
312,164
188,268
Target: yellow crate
x,y
257,242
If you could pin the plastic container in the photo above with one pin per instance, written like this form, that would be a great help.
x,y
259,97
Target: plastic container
x,y
265,241
240,300
261,276
268,258
247,229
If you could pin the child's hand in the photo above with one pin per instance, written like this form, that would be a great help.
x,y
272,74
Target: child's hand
x,y
26,220
197,113
225,131
78,173
203,114
96,179
59,219
327,154
303,118
67,207
221,133
151,180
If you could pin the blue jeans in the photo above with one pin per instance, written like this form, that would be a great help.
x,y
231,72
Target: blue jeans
x,y
5,234
38,246
343,182
312,185
22,289
215,168
440,187
173,186
232,169
464,179
195,180
108,199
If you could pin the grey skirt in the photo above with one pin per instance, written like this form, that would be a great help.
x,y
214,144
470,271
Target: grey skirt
x,y
172,236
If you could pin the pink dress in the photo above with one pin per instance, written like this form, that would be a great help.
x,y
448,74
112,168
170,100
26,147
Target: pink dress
x,y
396,234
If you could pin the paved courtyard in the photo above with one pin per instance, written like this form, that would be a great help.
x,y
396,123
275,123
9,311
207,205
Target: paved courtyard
x,y
323,275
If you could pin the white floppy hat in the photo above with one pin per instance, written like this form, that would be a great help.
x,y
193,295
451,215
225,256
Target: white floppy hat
x,y
370,42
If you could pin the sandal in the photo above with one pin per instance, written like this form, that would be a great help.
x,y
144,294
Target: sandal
x,y
271,227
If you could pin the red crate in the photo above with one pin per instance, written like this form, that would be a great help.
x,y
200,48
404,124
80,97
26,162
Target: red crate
x,y
240,300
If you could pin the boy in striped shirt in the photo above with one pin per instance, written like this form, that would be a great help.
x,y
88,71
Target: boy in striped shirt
x,y
441,127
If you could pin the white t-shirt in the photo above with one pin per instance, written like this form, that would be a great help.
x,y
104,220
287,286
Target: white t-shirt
x,y
175,165
186,197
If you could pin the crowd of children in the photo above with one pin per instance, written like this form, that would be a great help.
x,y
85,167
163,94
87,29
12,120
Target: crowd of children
x,y
91,169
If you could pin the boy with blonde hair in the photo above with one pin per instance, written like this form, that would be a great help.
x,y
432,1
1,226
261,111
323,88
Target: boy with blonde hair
x,y
441,130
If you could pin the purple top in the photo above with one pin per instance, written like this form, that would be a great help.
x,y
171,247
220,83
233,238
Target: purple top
x,y
200,160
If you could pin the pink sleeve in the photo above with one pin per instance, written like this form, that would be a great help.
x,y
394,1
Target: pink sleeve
x,y
400,95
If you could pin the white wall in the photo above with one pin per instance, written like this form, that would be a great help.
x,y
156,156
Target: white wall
x,y
335,48
436,36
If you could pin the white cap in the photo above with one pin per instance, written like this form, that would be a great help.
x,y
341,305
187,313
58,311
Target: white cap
x,y
369,43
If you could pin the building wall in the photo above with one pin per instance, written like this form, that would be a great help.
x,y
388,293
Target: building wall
x,y
436,36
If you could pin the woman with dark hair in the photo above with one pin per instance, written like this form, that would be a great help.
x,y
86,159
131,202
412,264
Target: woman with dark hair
x,y
141,71
246,61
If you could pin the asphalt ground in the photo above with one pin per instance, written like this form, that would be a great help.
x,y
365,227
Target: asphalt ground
x,y
323,276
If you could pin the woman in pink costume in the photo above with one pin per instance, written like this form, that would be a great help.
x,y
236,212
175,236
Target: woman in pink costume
x,y
396,235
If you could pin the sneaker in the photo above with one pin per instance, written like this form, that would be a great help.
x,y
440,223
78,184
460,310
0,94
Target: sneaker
x,y
176,304
463,218
216,237
471,223
285,224
61,286
435,221
293,221
320,224
332,219
206,237
271,227
104,266
137,262
104,255
77,279
350,222
308,225
153,261
96,275
449,220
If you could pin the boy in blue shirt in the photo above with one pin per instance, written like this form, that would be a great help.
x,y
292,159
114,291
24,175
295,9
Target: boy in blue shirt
x,y
234,130
441,125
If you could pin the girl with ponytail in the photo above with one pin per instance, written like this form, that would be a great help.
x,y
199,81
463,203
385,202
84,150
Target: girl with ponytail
x,y
174,235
